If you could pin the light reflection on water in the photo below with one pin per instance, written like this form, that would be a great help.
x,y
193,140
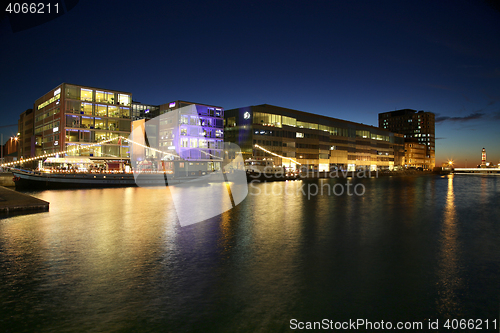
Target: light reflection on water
x,y
117,259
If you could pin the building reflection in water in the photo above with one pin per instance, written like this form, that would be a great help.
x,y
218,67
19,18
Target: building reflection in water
x,y
449,280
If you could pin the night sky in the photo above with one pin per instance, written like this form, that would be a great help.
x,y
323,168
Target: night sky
x,y
344,60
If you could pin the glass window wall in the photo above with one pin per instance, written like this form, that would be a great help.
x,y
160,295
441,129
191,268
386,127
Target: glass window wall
x,y
71,136
124,112
86,94
289,121
104,97
86,109
73,106
101,136
87,122
124,99
113,111
100,124
72,92
124,125
111,151
113,125
85,136
101,110
267,119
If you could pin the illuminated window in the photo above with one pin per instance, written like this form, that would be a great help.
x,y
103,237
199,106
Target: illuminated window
x,y
124,99
101,111
267,119
113,111
86,94
104,97
303,124
289,121
101,136
299,135
113,125
100,124
87,122
194,143
86,109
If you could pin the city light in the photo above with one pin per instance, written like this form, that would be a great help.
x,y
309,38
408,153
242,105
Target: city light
x,y
269,152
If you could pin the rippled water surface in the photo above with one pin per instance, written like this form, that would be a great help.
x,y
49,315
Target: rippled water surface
x,y
103,260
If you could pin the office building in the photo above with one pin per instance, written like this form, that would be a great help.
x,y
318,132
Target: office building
x,y
189,135
74,116
144,111
317,142
415,155
28,145
417,127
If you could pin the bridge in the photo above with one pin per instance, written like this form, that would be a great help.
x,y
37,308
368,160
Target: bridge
x,y
476,170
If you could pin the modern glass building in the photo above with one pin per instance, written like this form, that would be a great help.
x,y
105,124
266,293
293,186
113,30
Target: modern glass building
x,y
144,111
417,127
320,142
189,138
74,116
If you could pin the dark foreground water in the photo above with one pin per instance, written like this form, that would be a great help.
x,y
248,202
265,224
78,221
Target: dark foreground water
x,y
116,260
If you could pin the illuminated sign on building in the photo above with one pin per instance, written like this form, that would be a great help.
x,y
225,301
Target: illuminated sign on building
x,y
246,115
44,104
171,105
57,91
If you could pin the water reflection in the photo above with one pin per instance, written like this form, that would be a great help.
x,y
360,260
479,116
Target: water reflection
x,y
118,260
450,280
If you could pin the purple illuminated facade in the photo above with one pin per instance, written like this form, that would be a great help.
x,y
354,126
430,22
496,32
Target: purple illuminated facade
x,y
194,131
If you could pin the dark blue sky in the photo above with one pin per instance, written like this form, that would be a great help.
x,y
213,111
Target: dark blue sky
x,y
349,60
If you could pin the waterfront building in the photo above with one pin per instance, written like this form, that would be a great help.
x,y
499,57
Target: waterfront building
x,y
144,111
190,135
417,127
9,150
76,116
415,155
318,142
29,145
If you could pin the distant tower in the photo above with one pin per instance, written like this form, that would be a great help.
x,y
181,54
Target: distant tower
x,y
483,158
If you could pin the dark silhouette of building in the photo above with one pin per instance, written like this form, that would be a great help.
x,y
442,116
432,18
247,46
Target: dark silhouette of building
x,y
417,127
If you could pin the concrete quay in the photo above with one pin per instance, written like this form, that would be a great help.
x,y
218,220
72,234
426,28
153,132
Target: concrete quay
x,y
6,179
12,201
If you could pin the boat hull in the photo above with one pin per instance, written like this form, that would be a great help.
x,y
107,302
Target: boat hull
x,y
30,181
41,181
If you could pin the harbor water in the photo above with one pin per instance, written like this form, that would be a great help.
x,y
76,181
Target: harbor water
x,y
406,249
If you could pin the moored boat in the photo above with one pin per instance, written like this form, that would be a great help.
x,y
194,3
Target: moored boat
x,y
25,179
265,170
